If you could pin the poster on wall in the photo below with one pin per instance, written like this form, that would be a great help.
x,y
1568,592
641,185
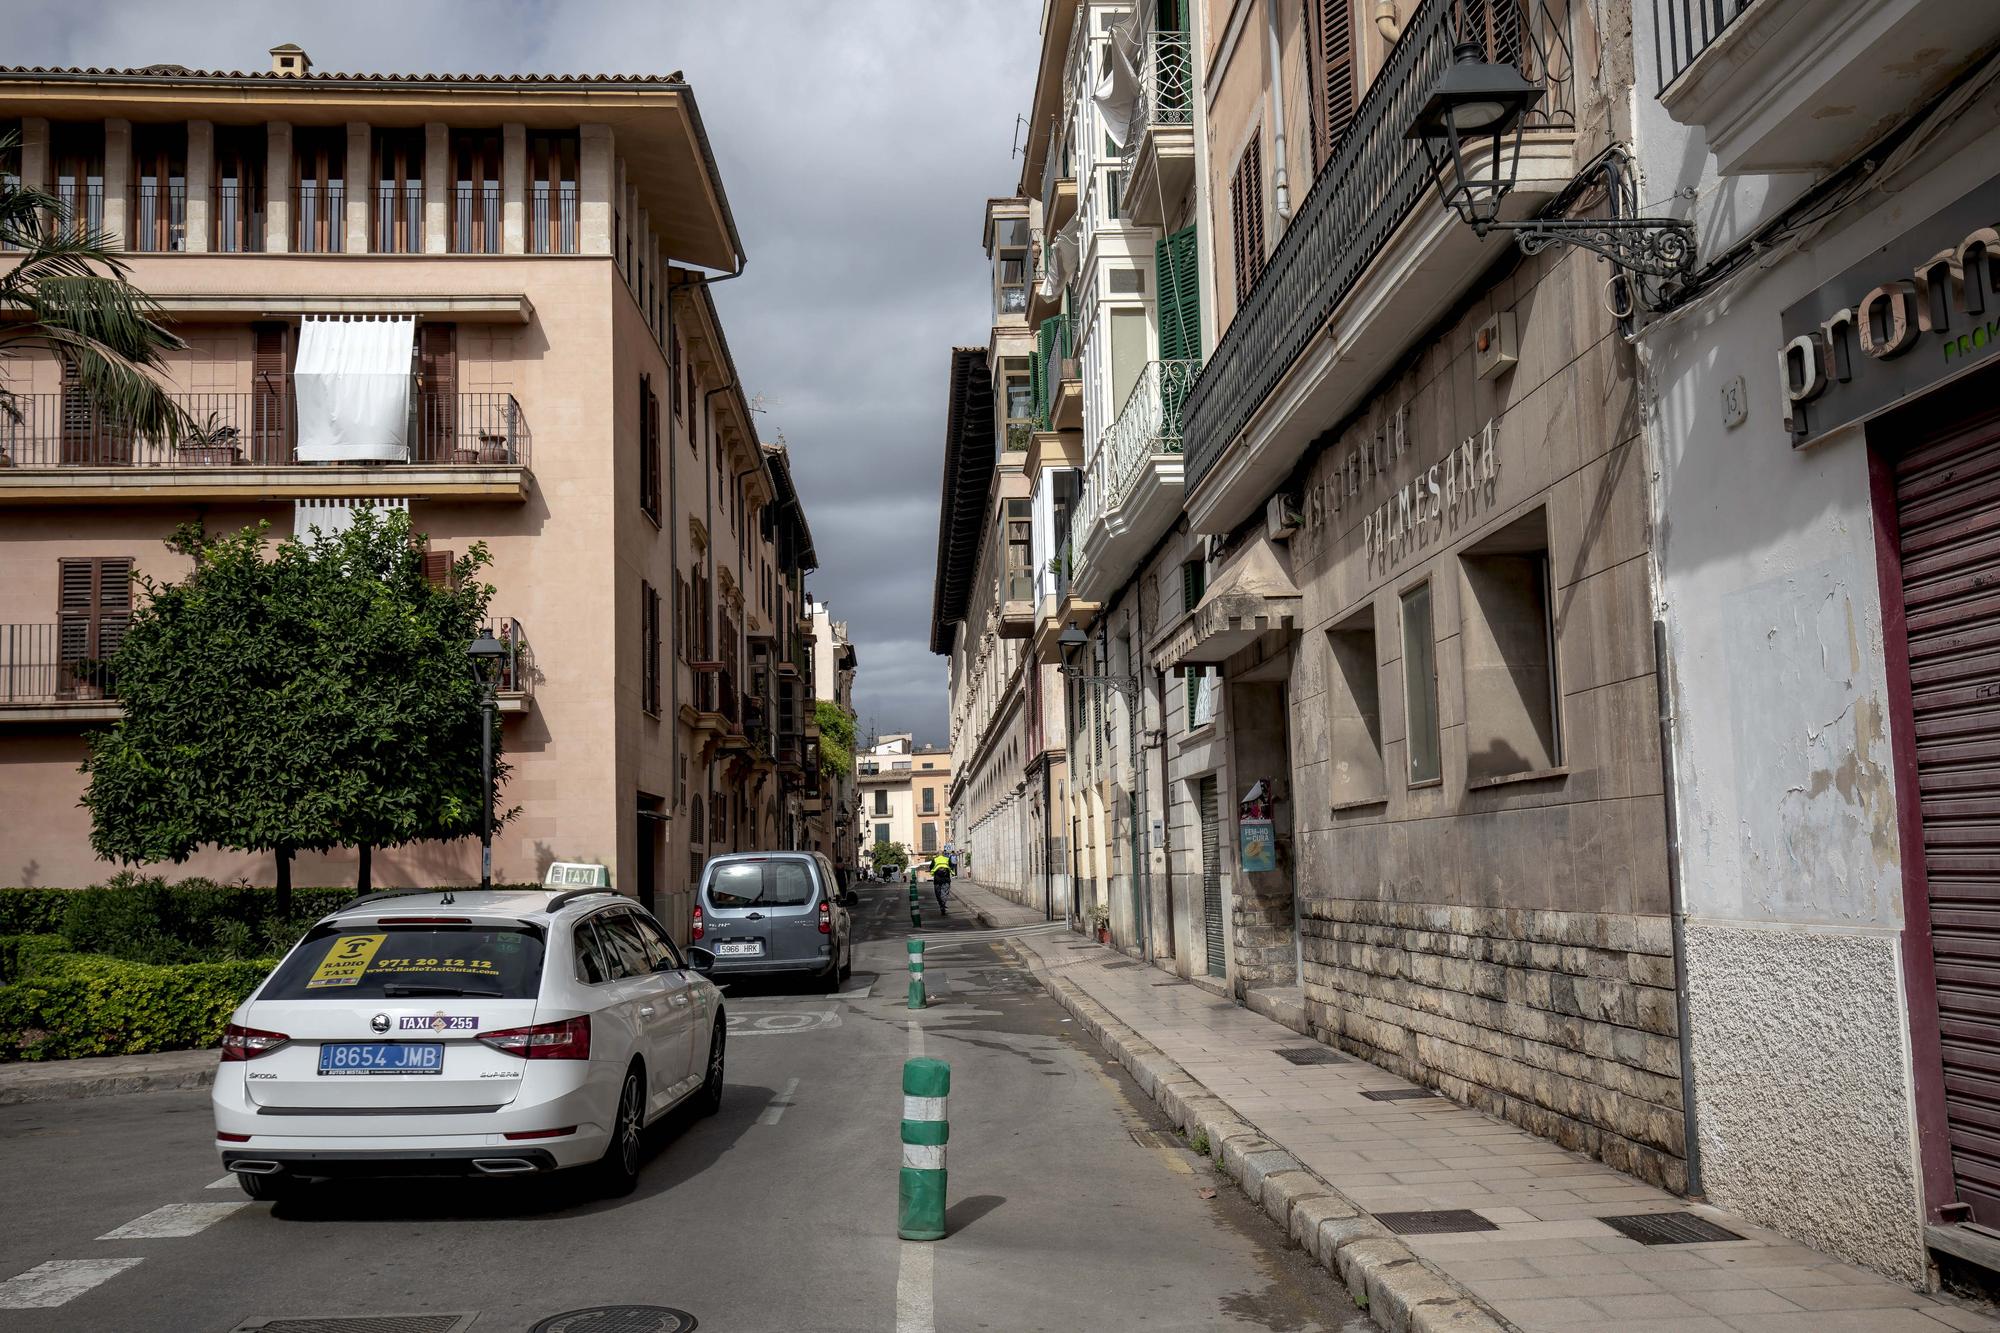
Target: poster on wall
x,y
1256,845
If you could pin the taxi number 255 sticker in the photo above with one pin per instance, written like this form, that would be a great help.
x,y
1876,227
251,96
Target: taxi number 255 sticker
x,y
345,961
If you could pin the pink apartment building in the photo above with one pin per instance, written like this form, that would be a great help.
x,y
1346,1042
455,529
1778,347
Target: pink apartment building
x,y
541,245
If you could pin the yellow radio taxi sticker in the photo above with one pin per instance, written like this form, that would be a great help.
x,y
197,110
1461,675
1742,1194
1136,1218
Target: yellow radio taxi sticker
x,y
345,961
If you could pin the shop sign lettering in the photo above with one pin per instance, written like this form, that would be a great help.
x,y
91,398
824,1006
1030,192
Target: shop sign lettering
x,y
1450,490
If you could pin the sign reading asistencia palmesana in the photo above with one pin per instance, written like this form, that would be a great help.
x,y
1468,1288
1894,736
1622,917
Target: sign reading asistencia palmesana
x,y
1922,310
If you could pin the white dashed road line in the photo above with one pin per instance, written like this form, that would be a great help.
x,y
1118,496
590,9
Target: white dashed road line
x,y
174,1219
776,1110
57,1282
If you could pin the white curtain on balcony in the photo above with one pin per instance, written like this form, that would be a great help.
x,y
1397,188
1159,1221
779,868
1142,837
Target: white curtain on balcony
x,y
352,382
1117,93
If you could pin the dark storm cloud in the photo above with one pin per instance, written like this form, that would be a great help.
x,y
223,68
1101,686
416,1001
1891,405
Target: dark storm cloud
x,y
857,142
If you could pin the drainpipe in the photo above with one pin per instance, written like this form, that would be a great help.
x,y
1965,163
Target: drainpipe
x,y
1281,190
1678,908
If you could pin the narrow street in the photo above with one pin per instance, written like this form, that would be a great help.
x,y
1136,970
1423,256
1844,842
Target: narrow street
x,y
777,1214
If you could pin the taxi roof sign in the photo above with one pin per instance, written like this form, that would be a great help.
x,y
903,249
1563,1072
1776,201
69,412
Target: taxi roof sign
x,y
577,875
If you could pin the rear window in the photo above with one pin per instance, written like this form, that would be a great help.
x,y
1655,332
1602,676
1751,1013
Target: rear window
x,y
384,962
760,884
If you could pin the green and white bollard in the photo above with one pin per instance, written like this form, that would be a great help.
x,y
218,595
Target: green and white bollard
x,y
917,998
920,1192
916,915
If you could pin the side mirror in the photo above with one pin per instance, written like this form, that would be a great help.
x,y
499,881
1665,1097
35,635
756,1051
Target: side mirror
x,y
851,898
702,959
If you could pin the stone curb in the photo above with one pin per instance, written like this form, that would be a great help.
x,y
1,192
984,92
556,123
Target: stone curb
x,y
1401,1292
79,1086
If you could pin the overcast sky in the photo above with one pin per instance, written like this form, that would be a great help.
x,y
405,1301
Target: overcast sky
x,y
858,142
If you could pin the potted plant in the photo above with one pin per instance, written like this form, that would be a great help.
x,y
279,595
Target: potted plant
x,y
1100,921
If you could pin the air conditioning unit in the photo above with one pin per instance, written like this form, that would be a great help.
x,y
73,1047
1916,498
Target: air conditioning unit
x,y
1281,517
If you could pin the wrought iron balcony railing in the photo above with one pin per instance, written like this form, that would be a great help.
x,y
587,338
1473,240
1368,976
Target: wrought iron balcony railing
x,y
517,668
1683,29
1362,193
236,215
38,667
319,218
82,204
1147,426
552,218
159,216
399,219
56,430
475,220
1166,81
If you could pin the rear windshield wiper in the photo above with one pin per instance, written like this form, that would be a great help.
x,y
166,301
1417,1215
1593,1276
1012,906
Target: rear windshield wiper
x,y
394,988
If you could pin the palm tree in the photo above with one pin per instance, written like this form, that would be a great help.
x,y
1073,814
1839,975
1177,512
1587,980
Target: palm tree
x,y
66,293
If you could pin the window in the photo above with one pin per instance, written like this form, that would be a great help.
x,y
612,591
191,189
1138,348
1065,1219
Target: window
x,y
1017,381
405,961
1513,710
1331,39
1010,266
881,802
76,167
658,947
881,833
552,192
592,969
621,944
930,837
1020,552
238,202
1420,693
764,882
319,199
398,211
649,662
929,764
649,449
930,800
1246,214
1354,698
94,607
159,187
475,192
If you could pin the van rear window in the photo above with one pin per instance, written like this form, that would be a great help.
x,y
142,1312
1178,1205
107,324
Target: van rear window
x,y
365,961
760,884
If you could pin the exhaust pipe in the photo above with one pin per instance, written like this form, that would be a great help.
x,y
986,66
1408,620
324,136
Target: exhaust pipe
x,y
256,1168
503,1166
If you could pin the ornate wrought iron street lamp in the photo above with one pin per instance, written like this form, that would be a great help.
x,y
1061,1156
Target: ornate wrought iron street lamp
x,y
1471,128
1073,638
487,654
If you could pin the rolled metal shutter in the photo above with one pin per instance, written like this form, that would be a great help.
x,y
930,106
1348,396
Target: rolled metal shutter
x,y
1948,514
1211,875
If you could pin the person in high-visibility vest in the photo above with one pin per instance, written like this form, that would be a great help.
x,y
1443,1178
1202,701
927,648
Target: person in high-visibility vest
x,y
941,879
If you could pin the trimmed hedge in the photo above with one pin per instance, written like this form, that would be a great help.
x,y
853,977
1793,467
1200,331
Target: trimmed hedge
x,y
32,911
23,955
79,1004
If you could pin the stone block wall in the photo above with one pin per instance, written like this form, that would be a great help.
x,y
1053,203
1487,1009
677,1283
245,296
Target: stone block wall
x,y
1561,1022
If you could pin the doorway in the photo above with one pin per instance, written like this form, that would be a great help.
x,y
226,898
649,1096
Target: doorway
x,y
1264,911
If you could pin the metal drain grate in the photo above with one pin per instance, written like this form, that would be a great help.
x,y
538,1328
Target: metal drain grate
x,y
1668,1229
618,1319
367,1323
1437,1222
1311,1055
1397,1094
1127,963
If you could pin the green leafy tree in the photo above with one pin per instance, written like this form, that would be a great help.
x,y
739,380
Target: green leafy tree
x,y
302,696
890,858
65,294
836,738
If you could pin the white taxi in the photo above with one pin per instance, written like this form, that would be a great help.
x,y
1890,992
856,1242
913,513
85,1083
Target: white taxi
x,y
501,1033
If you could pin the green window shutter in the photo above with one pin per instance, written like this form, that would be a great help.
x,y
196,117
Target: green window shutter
x,y
1193,692
1176,276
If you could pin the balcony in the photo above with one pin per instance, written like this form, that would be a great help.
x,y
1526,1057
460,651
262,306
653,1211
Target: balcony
x,y
319,218
1803,85
236,220
64,449
159,216
1132,481
399,219
1053,346
1370,261
43,680
1159,158
713,704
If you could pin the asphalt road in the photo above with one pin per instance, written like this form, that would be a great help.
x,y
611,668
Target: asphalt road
x,y
1072,1207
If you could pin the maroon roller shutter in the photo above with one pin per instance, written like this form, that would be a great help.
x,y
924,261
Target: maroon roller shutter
x,y
1948,514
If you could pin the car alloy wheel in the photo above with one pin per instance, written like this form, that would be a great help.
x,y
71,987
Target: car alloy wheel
x,y
619,1169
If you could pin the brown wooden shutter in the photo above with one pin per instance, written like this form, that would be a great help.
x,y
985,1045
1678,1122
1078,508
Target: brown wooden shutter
x,y
1333,75
437,568
1246,207
437,364
269,396
94,608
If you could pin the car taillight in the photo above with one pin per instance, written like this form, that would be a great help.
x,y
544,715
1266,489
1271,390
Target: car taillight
x,y
241,1043
825,917
541,1133
232,1138
697,930
567,1040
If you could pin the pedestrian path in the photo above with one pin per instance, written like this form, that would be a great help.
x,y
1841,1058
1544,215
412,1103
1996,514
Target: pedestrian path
x,y
993,910
1543,1258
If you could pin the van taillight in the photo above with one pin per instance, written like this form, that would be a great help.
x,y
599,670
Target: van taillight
x,y
567,1040
696,931
825,917
241,1043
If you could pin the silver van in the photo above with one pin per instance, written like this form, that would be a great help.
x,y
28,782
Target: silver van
x,y
766,912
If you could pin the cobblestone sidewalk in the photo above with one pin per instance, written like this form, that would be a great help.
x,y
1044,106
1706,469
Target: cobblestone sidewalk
x,y
1545,1259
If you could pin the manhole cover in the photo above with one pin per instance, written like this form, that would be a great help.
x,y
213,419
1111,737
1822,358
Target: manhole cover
x,y
1668,1228
618,1319
1397,1094
1310,1055
367,1323
1437,1222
